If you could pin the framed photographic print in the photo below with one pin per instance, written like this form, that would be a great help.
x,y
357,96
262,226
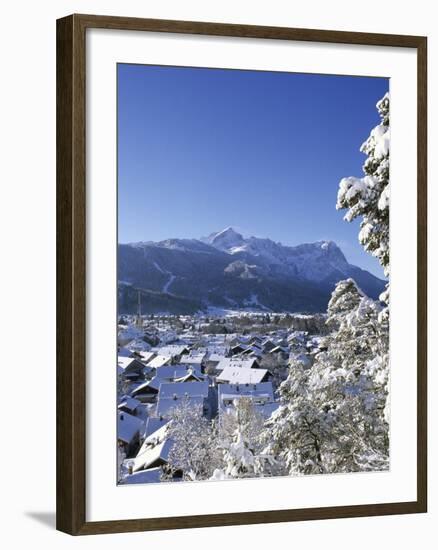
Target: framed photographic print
x,y
241,274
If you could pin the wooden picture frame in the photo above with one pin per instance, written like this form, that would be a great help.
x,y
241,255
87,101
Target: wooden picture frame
x,y
71,273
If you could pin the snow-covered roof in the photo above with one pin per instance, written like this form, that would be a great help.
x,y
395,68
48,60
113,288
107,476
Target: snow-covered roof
x,y
129,403
166,406
215,357
267,342
154,424
236,362
128,426
192,358
156,436
159,361
146,356
151,455
250,351
151,386
191,375
172,350
129,363
239,346
170,372
181,389
172,395
153,475
155,447
238,375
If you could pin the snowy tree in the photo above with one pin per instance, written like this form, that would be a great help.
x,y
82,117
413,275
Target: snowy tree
x,y
350,381
368,197
332,416
121,456
240,428
293,434
345,298
194,450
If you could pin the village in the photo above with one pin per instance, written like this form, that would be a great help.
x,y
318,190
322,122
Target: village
x,y
202,362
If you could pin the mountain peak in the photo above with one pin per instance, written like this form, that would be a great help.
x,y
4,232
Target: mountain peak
x,y
229,232
325,245
225,239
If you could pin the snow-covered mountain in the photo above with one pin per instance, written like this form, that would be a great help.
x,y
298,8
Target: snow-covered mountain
x,y
229,271
311,261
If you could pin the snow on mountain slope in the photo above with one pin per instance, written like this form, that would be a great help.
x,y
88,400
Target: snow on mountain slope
x,y
313,261
169,282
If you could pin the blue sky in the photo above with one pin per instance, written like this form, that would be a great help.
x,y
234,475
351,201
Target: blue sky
x,y
203,149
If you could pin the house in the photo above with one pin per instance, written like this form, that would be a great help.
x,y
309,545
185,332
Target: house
x,y
128,432
238,348
194,358
151,337
267,345
252,351
255,340
130,367
172,395
238,375
261,396
246,363
190,376
147,391
138,345
129,405
153,452
174,351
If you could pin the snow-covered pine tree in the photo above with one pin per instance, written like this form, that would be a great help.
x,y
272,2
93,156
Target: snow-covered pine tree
x,y
349,382
332,415
294,433
344,299
240,429
368,197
